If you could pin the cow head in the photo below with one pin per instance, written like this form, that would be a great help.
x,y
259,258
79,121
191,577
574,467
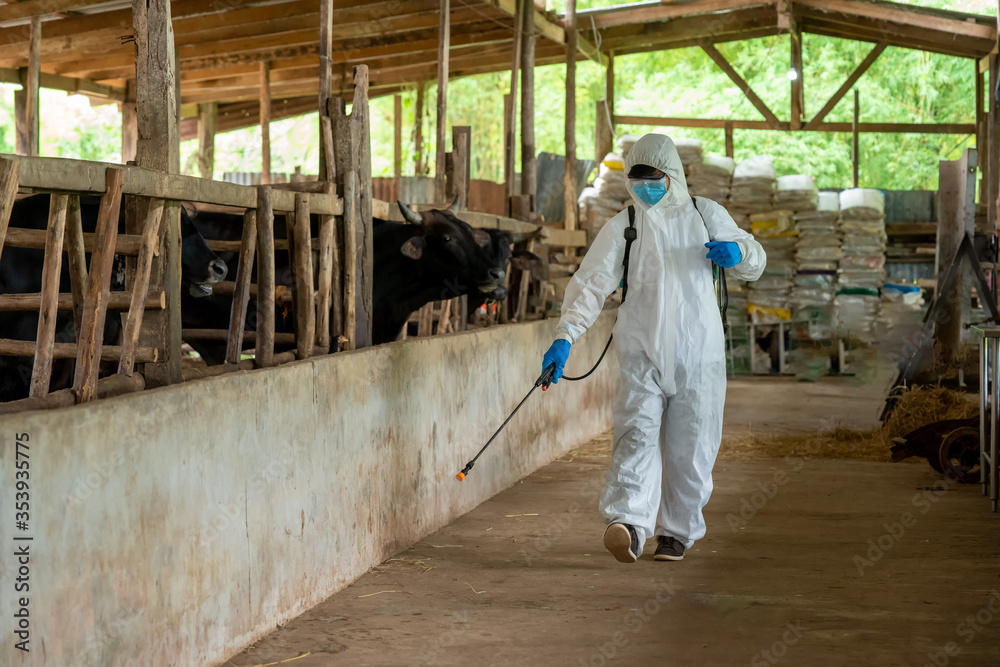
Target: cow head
x,y
454,252
500,253
200,266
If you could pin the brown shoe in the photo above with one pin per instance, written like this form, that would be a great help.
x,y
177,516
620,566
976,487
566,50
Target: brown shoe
x,y
623,543
668,548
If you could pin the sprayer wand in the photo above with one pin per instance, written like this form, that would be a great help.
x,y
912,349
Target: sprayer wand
x,y
543,381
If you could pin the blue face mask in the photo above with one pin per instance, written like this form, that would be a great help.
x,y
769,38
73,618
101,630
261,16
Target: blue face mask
x,y
650,192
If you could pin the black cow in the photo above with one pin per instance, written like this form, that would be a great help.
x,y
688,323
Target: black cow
x,y
21,272
501,254
435,256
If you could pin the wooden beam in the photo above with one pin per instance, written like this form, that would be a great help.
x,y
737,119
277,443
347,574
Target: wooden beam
x,y
847,85
31,114
26,348
461,159
397,139
719,123
208,116
265,123
326,159
67,300
856,151
264,354
418,131
993,142
158,148
724,65
529,164
41,372
130,128
95,91
902,17
98,289
604,139
798,97
570,208
956,205
241,293
666,12
34,8
305,297
511,110
441,138
609,88
77,261
58,174
140,286
351,224
9,175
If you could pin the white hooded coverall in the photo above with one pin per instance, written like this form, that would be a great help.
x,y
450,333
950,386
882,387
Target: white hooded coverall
x,y
671,349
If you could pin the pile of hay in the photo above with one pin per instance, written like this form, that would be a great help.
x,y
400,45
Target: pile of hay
x,y
919,406
915,407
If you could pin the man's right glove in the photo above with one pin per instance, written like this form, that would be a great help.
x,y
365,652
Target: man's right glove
x,y
558,354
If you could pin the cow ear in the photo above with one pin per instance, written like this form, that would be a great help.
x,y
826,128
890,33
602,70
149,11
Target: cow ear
x,y
413,248
523,260
190,208
482,237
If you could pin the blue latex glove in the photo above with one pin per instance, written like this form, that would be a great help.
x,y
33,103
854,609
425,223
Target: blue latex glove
x,y
724,253
558,354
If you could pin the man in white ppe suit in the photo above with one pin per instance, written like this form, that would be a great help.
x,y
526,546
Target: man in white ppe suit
x,y
671,349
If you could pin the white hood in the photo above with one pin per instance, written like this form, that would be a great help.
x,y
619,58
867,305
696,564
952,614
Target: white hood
x,y
658,151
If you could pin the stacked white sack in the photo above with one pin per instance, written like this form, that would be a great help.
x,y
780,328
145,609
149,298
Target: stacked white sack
x,y
606,198
690,152
862,264
817,253
711,177
768,297
752,187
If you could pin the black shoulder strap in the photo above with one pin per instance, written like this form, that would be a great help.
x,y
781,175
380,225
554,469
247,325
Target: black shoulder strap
x,y
722,290
630,236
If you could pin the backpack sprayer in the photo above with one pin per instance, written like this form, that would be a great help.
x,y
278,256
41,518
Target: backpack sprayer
x,y
545,379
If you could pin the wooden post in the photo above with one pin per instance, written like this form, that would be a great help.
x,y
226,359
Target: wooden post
x,y
21,114
327,280
265,122
208,115
351,224
130,131
856,153
609,88
604,139
140,286
98,288
444,42
158,147
529,163
458,185
570,208
305,295
9,170
34,74
352,136
956,215
993,153
728,127
397,143
241,293
511,120
326,159
798,99
522,296
77,258
418,132
264,355
41,373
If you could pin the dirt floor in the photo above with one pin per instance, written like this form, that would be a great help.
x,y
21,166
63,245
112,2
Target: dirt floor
x,y
807,562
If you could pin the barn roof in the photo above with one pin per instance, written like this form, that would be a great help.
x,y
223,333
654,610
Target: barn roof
x,y
86,44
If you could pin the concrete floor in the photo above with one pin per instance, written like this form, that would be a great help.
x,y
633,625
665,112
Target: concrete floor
x,y
807,562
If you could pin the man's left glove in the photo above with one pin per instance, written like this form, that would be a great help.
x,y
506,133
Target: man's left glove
x,y
724,253
558,354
